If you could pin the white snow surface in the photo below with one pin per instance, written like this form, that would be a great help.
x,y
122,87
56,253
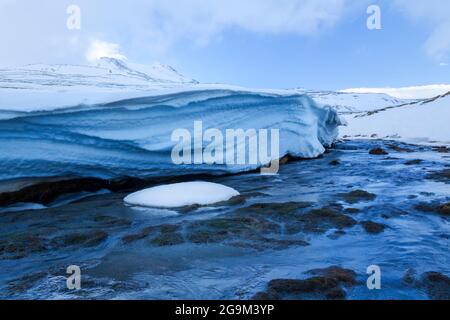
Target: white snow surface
x,y
40,87
425,122
415,92
181,194
350,102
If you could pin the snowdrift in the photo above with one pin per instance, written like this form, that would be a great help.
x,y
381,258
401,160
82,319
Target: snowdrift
x,y
133,137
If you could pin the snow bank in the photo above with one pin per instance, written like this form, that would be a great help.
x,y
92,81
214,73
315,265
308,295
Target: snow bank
x,y
133,137
181,194
422,123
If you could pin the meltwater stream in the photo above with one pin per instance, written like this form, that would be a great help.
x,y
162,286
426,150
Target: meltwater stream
x,y
233,251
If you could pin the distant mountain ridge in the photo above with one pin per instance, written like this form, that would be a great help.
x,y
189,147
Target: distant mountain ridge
x,y
108,72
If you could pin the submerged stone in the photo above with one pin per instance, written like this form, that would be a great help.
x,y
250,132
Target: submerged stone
x,y
373,227
326,284
378,152
356,196
82,239
436,285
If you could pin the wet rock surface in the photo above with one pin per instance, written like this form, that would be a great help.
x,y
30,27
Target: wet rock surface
x,y
378,152
328,283
356,196
436,285
274,239
441,176
373,227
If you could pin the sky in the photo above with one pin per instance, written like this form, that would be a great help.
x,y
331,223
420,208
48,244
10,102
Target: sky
x,y
313,44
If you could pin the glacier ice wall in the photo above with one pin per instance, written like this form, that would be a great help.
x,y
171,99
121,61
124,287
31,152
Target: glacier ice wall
x,y
133,137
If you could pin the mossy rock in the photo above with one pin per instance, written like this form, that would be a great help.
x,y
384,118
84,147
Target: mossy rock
x,y
82,239
320,221
167,239
436,285
413,162
19,245
276,210
441,176
373,227
378,152
326,283
111,221
356,196
230,228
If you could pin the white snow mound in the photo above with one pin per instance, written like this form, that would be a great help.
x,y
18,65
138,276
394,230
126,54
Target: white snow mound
x,y
181,194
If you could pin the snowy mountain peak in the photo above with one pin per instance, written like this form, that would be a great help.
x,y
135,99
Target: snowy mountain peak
x,y
43,86
155,72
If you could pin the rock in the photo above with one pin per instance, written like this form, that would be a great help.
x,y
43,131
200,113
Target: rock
x,y
17,246
321,220
236,200
378,152
352,210
82,239
413,162
160,230
399,149
337,234
342,275
300,286
356,196
443,209
21,285
46,192
327,284
441,176
110,221
275,209
373,227
266,296
230,228
409,277
335,294
441,149
436,285
335,163
168,239
425,207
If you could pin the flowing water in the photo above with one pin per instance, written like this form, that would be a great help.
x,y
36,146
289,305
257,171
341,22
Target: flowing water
x,y
239,263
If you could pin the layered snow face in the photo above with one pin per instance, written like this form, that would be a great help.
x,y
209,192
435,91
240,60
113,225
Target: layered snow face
x,y
181,194
133,137
422,122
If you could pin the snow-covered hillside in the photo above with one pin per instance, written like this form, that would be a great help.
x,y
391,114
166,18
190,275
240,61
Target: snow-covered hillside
x,y
420,122
415,92
45,87
355,102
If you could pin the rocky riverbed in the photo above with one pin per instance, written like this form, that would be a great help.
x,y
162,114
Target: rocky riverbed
x,y
308,233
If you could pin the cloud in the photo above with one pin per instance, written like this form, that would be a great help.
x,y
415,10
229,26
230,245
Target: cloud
x,y
100,49
435,13
153,26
